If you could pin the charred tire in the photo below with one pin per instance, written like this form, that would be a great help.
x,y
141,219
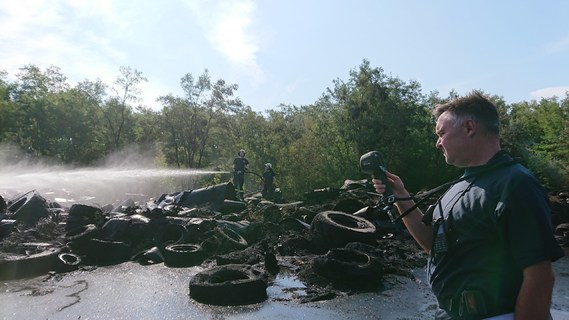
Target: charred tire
x,y
19,267
561,229
182,255
229,240
67,262
106,252
172,234
229,285
336,229
82,233
148,257
81,214
347,264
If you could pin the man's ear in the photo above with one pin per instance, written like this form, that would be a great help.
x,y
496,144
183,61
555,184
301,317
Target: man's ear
x,y
470,127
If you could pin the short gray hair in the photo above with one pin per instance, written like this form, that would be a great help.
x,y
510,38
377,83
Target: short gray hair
x,y
474,105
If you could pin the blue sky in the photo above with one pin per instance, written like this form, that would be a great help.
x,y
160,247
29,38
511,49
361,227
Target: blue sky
x,y
290,51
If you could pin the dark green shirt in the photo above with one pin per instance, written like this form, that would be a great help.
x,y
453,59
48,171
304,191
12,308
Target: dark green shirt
x,y
497,223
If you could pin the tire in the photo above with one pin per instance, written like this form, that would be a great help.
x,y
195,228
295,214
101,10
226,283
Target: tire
x,y
19,267
182,255
335,229
172,234
148,257
561,229
107,252
229,285
348,264
81,234
82,214
67,262
229,240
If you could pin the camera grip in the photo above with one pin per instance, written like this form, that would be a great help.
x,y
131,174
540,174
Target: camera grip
x,y
380,174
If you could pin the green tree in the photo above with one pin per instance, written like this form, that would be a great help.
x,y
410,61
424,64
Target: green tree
x,y
537,133
117,111
373,111
194,122
8,111
35,96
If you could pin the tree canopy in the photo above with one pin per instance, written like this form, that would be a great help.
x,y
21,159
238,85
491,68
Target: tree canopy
x,y
311,146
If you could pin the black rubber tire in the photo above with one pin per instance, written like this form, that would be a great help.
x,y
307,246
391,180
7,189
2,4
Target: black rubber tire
x,y
229,285
561,228
66,262
106,252
82,214
347,264
19,267
82,233
336,229
148,257
172,234
182,255
229,240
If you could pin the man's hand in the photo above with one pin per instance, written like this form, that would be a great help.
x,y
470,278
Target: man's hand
x,y
396,185
413,221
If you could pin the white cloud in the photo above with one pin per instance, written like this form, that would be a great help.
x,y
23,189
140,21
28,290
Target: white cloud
x,y
78,36
20,23
91,39
229,33
550,92
46,33
228,27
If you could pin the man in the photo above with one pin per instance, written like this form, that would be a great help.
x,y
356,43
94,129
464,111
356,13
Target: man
x,y
489,239
240,164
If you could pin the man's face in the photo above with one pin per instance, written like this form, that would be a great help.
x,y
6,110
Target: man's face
x,y
452,140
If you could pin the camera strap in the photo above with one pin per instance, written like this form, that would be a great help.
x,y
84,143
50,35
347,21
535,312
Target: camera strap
x,y
425,195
